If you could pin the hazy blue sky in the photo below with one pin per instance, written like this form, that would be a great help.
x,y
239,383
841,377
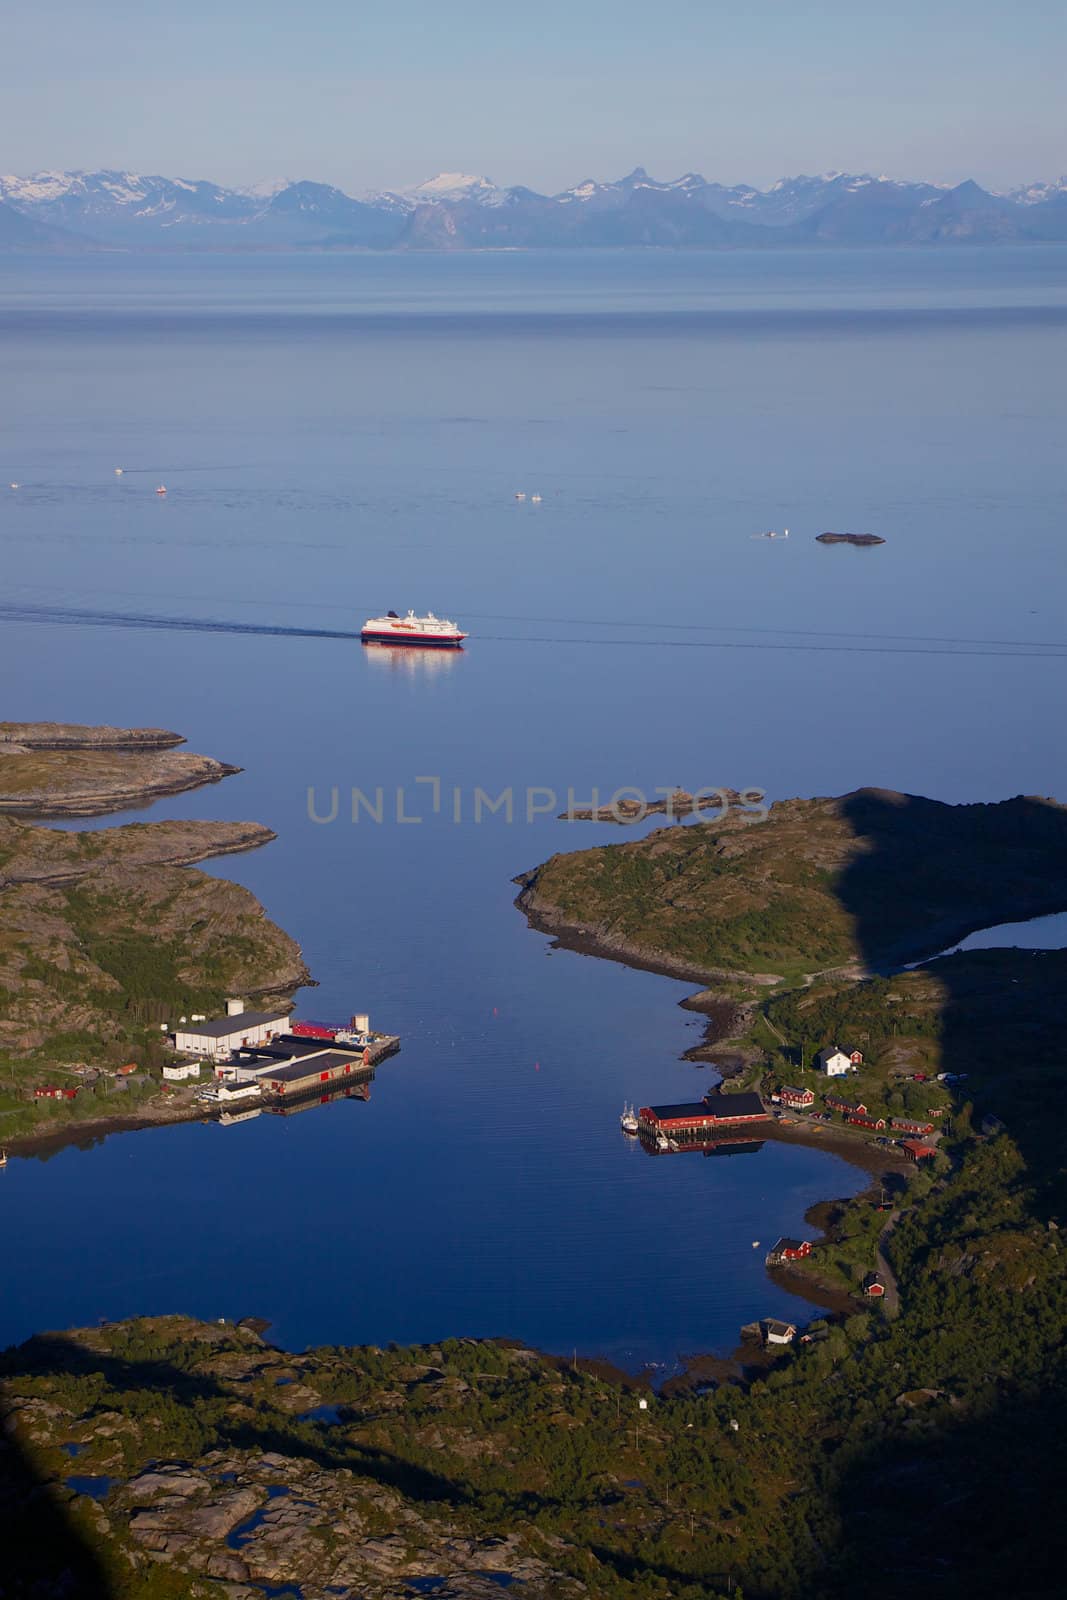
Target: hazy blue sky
x,y
365,93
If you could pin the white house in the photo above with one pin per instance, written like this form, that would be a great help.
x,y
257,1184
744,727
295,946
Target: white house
x,y
217,1040
775,1332
835,1062
178,1071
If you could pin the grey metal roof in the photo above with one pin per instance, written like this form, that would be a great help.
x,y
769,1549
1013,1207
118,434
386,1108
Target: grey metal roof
x,y
309,1067
222,1027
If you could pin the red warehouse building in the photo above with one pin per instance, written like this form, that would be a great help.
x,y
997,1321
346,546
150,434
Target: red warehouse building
x,y
716,1113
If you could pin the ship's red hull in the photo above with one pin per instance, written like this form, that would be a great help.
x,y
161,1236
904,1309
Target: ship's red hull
x,y
435,641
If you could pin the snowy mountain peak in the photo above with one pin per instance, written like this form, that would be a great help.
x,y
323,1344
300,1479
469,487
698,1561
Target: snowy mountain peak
x,y
266,188
1031,194
453,186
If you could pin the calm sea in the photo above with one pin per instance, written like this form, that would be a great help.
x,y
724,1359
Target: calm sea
x,y
342,435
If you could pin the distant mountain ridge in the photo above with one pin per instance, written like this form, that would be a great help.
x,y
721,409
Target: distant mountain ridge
x,y
72,211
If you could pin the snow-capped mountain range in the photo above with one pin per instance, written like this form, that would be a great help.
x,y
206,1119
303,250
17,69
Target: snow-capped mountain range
x,y
455,211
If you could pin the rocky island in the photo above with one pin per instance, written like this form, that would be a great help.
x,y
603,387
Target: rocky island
x,y
861,540
106,935
56,769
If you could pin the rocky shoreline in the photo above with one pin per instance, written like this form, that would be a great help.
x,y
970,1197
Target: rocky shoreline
x,y
626,811
593,939
61,770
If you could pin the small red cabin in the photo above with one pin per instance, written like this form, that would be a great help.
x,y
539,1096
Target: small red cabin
x,y
916,1151
877,1123
848,1108
873,1286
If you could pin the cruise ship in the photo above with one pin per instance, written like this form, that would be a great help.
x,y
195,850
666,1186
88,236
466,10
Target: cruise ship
x,y
427,630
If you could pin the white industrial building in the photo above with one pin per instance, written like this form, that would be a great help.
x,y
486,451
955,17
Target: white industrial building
x,y
238,1029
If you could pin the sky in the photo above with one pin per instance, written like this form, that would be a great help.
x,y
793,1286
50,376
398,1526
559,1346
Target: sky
x,y
373,94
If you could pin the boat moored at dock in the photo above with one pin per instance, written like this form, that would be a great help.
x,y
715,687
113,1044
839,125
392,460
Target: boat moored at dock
x,y
413,630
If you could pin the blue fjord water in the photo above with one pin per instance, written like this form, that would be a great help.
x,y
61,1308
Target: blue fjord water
x,y
343,435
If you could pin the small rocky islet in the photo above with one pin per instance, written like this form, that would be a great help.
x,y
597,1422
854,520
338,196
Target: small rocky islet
x,y
58,769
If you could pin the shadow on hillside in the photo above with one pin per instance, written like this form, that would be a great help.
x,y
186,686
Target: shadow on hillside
x,y
42,1552
959,1499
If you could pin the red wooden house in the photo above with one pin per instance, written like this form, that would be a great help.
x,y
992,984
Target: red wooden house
x,y
788,1250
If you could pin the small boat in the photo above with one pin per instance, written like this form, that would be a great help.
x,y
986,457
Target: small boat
x,y
520,495
3,1158
535,499
13,486
161,488
628,1121
119,471
427,630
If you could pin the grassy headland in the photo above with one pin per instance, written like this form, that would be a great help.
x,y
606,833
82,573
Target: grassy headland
x,y
868,880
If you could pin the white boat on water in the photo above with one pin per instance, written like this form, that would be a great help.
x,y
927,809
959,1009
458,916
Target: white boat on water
x,y
3,1158
628,1121
427,630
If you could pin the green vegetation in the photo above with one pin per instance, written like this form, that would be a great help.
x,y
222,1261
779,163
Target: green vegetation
x,y
877,1437
104,941
902,1448
869,878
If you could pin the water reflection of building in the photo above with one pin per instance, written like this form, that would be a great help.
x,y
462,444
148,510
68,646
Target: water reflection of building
x,y
408,661
309,1102
737,1146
